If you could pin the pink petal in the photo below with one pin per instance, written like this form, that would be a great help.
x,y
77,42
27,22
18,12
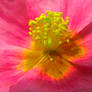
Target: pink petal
x,y
36,7
4,89
78,81
80,13
13,34
13,22
14,11
86,40
10,56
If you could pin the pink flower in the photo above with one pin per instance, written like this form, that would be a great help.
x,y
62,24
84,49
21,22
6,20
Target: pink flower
x,y
16,47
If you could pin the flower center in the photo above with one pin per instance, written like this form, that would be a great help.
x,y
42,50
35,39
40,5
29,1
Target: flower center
x,y
49,31
54,45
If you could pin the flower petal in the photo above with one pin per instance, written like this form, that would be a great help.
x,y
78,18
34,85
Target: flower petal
x,y
80,13
14,11
13,35
10,56
85,37
4,89
35,8
13,22
73,83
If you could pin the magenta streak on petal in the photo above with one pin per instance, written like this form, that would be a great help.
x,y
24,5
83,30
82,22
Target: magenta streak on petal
x,y
85,31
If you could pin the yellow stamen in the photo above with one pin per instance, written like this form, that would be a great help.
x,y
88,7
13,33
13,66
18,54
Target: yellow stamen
x,y
49,29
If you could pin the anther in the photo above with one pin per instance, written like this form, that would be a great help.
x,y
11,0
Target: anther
x,y
50,30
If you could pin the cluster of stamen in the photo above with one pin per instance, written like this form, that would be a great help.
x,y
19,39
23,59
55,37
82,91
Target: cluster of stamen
x,y
50,30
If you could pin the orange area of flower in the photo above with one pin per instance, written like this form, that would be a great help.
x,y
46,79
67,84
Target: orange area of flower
x,y
59,67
